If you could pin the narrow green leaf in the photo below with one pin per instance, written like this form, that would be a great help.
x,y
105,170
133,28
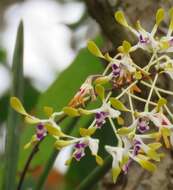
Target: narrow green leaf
x,y
14,119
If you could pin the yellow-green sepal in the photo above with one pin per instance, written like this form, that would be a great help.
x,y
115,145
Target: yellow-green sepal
x,y
33,140
48,110
53,131
117,104
17,105
125,130
153,154
124,161
126,47
120,18
120,121
146,164
166,133
115,173
62,143
100,91
159,16
155,145
102,80
92,47
84,112
108,57
32,120
70,111
171,19
99,160
87,132
161,102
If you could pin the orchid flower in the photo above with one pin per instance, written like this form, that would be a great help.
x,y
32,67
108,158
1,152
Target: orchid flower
x,y
123,67
120,155
147,40
79,146
43,126
86,90
102,112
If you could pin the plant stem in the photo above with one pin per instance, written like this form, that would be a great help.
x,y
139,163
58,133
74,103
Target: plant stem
x,y
95,175
142,100
151,91
131,106
126,89
33,152
159,89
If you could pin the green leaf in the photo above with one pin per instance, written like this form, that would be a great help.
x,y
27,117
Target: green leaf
x,y
14,119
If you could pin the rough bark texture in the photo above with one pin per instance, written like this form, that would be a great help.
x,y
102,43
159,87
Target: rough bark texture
x,y
138,179
102,11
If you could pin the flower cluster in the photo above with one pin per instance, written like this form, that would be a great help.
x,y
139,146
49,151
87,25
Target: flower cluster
x,y
140,133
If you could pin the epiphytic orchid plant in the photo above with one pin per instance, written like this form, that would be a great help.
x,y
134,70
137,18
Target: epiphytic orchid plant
x,y
145,130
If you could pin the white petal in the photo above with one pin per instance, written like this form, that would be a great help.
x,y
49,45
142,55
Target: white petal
x,y
93,145
113,113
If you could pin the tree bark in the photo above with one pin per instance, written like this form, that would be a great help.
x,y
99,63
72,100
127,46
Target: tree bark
x,y
103,12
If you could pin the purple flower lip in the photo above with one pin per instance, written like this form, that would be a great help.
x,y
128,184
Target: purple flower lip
x,y
114,67
80,145
143,125
126,166
137,147
98,115
143,40
40,136
115,70
40,126
78,156
100,118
